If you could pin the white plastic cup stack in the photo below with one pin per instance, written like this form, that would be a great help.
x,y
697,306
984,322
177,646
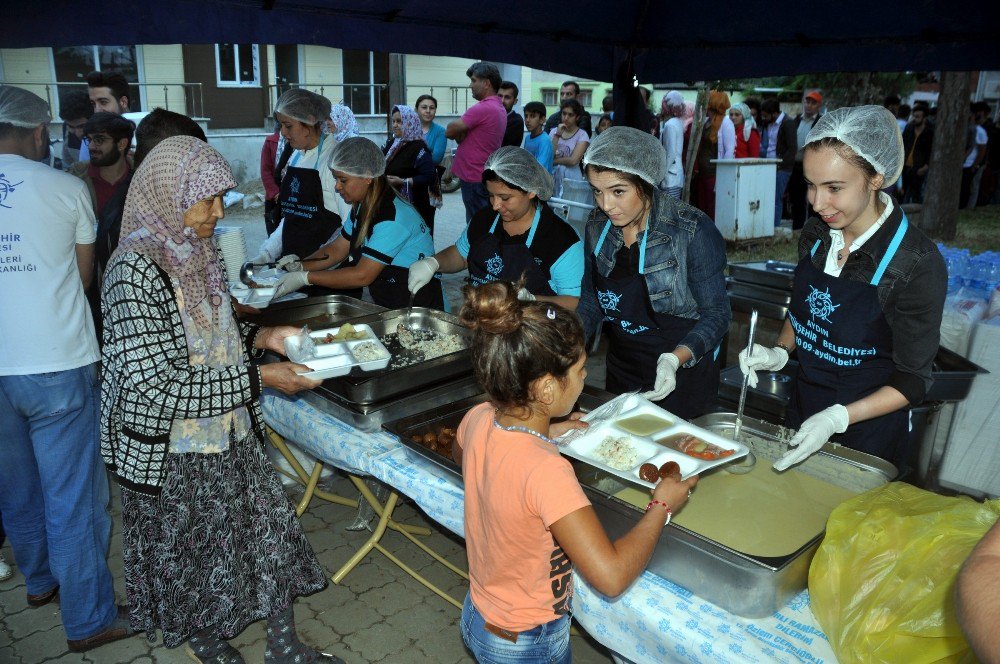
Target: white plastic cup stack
x,y
232,244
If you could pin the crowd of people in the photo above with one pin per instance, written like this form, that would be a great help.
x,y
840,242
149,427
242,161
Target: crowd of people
x,y
156,380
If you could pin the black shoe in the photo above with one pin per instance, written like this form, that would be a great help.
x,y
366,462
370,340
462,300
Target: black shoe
x,y
117,630
36,601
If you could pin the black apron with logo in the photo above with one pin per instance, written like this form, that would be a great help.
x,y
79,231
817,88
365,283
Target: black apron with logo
x,y
308,225
490,259
639,335
390,289
845,353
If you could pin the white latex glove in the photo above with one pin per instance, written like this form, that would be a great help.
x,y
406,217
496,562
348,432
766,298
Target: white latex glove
x,y
524,295
813,433
290,263
421,273
290,283
761,359
666,377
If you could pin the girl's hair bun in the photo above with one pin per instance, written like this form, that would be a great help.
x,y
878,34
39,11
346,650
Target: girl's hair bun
x,y
492,308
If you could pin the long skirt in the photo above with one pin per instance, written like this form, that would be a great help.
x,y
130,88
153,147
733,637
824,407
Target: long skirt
x,y
220,546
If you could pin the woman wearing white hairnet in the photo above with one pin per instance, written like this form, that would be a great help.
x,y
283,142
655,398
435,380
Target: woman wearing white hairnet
x,y
654,269
867,298
517,237
382,236
310,207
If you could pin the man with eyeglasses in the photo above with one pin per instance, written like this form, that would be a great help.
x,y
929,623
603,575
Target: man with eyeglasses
x,y
108,138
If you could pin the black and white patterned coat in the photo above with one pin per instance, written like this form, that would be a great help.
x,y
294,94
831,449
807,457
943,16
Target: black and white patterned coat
x,y
148,381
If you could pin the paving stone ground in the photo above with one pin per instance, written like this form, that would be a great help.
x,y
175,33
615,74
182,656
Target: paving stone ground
x,y
378,613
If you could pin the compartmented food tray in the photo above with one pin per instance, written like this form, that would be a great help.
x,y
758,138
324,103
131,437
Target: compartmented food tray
x,y
408,369
338,350
315,312
648,434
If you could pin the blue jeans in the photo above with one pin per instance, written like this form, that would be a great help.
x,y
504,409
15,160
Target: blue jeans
x,y
54,493
545,644
780,184
475,197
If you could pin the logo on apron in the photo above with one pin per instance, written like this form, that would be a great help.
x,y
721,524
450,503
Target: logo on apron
x,y
820,304
608,300
494,265
294,185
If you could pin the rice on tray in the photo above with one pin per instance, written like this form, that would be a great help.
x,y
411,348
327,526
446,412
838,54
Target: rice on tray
x,y
617,452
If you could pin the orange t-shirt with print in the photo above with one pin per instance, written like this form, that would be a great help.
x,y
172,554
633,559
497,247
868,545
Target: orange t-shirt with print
x,y
516,486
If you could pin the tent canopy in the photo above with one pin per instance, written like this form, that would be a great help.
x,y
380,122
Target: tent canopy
x,y
671,41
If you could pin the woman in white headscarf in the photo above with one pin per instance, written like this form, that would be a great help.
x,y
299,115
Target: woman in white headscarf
x,y
342,123
210,541
747,136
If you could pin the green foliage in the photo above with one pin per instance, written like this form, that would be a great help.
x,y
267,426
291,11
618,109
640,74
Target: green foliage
x,y
838,88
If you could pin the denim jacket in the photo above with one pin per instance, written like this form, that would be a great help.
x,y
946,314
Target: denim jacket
x,y
911,292
684,271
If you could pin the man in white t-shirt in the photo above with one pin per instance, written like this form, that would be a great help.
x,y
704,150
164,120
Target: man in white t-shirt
x,y
975,154
53,485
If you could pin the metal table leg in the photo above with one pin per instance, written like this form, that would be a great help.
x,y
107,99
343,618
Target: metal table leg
x,y
308,480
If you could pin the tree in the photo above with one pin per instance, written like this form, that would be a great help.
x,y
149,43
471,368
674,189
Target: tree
x,y
944,179
838,88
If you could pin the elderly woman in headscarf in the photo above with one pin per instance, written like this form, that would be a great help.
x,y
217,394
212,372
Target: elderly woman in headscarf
x,y
210,541
409,164
718,141
672,139
342,123
747,136
517,237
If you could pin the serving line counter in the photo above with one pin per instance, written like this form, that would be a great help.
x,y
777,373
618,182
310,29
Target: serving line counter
x,y
653,621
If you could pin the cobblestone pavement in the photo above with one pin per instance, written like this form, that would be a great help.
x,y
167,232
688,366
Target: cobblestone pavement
x,y
378,613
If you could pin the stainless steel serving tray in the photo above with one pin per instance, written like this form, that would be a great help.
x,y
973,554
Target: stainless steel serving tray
x,y
747,585
369,387
371,417
774,274
316,312
756,291
450,414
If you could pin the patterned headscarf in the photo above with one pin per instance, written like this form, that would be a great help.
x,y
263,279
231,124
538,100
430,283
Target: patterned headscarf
x,y
412,131
748,122
344,123
174,176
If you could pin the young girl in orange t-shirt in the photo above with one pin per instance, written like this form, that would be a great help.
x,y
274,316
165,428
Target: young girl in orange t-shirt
x,y
527,520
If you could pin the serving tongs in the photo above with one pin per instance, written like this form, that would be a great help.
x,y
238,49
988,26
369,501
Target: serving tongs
x,y
248,271
745,464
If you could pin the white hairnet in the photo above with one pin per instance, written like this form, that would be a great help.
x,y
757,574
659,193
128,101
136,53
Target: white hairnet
x,y
358,157
871,131
629,150
305,106
22,108
519,167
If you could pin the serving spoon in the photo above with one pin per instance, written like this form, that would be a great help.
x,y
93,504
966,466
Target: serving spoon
x,y
248,270
747,463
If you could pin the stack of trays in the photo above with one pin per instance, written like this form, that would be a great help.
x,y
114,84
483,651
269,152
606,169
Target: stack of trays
x,y
232,245
335,356
646,433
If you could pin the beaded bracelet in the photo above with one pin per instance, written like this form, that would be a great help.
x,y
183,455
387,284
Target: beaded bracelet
x,y
670,512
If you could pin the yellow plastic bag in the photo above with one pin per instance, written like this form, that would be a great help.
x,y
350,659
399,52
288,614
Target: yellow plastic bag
x,y
881,584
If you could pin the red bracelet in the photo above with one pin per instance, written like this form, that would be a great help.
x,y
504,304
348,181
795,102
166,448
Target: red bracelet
x,y
670,512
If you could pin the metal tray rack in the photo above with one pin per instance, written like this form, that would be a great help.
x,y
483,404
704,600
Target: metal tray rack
x,y
361,387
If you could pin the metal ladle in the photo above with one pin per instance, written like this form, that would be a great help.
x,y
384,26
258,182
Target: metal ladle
x,y
248,271
746,464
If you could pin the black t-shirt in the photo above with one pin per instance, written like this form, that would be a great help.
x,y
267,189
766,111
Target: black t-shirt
x,y
552,237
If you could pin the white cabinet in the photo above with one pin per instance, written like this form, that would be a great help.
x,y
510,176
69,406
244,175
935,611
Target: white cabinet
x,y
744,198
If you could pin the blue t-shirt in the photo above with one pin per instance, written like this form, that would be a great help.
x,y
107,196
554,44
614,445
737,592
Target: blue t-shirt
x,y
554,244
436,141
398,235
541,148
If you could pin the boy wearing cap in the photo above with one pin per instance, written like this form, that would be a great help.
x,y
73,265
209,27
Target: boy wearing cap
x,y
804,122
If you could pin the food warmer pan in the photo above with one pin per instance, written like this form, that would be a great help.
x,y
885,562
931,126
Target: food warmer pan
x,y
316,312
747,582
